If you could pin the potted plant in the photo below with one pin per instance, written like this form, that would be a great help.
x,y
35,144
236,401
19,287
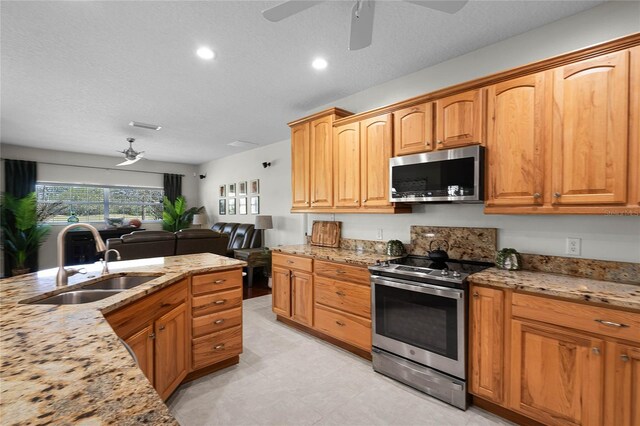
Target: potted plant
x,y
23,231
176,216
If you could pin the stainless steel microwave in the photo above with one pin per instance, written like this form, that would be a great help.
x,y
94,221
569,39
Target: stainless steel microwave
x,y
452,175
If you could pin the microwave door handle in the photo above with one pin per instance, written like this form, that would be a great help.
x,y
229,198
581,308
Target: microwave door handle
x,y
450,294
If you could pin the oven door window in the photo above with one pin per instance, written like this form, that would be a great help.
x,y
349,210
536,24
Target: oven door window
x,y
422,320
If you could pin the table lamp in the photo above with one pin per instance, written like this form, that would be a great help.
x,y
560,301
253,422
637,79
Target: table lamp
x,y
198,219
263,222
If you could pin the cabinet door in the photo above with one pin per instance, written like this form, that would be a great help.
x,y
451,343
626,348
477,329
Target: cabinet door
x,y
460,119
556,375
302,309
375,151
322,162
634,131
487,343
516,141
622,396
281,291
347,165
590,131
141,343
413,129
300,171
171,350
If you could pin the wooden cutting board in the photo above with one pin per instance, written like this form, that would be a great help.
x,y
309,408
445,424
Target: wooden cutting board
x,y
325,234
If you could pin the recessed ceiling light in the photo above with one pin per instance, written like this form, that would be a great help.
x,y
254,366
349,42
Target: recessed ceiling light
x,y
205,53
319,63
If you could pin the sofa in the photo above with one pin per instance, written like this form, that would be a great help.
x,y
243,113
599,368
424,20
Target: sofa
x,y
143,244
241,235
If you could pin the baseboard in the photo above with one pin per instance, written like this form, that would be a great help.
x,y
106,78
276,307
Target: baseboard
x,y
505,413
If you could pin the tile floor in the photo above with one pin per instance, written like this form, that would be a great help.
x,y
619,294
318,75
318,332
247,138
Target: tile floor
x,y
286,377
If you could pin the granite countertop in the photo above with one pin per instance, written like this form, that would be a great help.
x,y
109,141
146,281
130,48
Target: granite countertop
x,y
354,257
585,289
64,363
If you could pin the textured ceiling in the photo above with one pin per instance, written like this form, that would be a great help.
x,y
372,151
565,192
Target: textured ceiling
x,y
75,73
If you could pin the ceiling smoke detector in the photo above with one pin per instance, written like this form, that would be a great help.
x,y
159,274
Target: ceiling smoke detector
x,y
144,125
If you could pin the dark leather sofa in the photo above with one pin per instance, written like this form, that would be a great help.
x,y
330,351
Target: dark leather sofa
x,y
241,235
143,244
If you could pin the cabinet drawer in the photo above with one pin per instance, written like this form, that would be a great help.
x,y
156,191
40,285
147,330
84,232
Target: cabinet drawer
x,y
353,298
216,302
340,271
217,281
343,326
212,323
293,262
594,319
216,347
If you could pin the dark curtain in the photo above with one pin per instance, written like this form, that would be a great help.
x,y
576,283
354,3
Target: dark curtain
x,y
20,179
172,186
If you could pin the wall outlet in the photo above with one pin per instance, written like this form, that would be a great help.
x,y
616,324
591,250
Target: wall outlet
x,y
379,234
574,246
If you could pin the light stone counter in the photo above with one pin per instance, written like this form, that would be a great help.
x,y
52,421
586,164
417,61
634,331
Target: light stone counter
x,y
354,257
585,289
64,364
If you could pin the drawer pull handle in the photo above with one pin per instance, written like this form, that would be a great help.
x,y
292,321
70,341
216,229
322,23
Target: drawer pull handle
x,y
340,272
475,294
220,302
219,347
596,351
611,323
220,321
340,323
161,327
219,281
624,357
152,336
340,293
290,261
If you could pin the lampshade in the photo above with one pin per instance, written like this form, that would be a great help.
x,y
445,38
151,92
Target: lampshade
x,y
264,222
198,219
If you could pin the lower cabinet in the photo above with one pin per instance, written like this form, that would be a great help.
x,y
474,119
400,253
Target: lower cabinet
x,y
141,343
292,288
171,348
555,361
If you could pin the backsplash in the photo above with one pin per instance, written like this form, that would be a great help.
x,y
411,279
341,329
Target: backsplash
x,y
464,243
620,272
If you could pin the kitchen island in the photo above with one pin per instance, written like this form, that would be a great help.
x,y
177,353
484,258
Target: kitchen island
x,y
65,364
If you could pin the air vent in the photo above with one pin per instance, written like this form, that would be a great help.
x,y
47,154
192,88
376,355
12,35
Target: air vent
x,y
243,144
145,125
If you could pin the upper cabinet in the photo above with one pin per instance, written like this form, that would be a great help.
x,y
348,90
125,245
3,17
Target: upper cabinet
x,y
516,138
322,154
590,131
300,166
376,141
460,120
347,165
413,129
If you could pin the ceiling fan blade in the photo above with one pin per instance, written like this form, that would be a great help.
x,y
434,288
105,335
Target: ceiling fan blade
x,y
361,24
126,163
447,6
140,155
286,9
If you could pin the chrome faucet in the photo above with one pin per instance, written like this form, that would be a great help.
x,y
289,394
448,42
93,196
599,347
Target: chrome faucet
x,y
63,274
105,262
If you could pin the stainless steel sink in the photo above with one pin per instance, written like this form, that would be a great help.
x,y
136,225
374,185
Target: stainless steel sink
x,y
76,297
124,282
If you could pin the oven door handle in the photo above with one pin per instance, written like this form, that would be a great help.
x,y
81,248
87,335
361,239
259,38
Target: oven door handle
x,y
432,289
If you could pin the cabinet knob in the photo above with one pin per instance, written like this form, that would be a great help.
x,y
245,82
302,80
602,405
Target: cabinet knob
x,y
219,281
152,336
364,200
219,347
439,142
595,350
475,295
557,195
220,321
161,328
537,195
624,357
355,201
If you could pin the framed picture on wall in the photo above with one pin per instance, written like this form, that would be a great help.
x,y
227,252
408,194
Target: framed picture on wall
x,y
254,186
222,192
232,206
232,190
242,205
242,188
222,206
255,205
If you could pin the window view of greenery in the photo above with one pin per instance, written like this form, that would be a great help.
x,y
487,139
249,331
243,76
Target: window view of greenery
x,y
97,204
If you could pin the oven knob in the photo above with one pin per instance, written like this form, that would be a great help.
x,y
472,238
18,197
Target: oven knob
x,y
456,274
385,264
445,272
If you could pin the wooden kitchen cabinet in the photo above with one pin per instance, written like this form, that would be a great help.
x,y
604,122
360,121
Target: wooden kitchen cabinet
x,y
292,292
347,165
322,162
460,120
376,146
487,347
281,291
302,297
171,364
413,129
517,140
590,131
622,387
141,343
300,166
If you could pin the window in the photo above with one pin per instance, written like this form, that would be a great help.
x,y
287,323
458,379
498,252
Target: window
x,y
97,203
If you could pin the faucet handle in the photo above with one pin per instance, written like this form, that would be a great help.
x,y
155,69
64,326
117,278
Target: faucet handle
x,y
72,271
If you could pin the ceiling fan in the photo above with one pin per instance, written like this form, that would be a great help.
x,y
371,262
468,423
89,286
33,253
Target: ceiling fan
x,y
131,155
361,15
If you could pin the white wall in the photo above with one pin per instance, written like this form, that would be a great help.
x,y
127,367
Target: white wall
x,y
275,190
125,177
603,237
